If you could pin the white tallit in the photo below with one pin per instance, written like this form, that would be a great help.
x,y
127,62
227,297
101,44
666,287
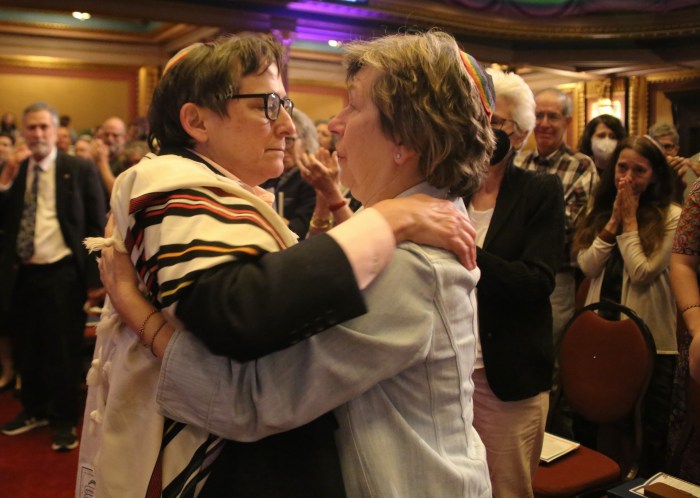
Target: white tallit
x,y
176,217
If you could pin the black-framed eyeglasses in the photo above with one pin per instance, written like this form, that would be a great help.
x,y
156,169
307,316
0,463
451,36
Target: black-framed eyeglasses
x,y
273,103
497,122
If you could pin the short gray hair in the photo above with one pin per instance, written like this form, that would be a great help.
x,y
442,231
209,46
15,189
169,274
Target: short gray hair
x,y
662,130
567,109
42,106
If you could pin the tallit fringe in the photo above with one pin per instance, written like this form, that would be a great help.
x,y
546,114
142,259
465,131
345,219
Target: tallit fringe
x,y
93,244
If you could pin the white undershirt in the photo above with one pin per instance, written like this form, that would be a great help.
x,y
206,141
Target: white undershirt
x,y
49,245
481,221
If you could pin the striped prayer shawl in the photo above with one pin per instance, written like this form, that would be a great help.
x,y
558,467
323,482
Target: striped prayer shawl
x,y
177,218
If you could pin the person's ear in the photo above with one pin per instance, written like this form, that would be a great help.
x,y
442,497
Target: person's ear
x,y
403,154
193,122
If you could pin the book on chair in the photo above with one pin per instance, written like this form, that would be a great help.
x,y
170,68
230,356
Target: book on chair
x,y
555,447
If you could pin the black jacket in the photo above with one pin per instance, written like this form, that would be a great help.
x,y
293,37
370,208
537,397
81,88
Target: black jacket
x,y
518,261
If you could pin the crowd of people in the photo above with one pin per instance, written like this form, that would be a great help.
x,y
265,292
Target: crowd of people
x,y
295,345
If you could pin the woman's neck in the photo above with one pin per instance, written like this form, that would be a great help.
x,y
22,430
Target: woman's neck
x,y
486,197
392,188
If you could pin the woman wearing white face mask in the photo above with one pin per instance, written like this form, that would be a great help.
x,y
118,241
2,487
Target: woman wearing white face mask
x,y
599,139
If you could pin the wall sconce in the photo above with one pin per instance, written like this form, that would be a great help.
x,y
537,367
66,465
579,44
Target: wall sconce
x,y
81,16
606,106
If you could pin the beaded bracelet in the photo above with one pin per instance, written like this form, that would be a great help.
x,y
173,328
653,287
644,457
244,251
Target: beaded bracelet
x,y
143,325
153,339
696,305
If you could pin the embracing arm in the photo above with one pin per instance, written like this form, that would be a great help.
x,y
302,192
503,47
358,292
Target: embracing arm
x,y
256,306
247,311
248,401
247,308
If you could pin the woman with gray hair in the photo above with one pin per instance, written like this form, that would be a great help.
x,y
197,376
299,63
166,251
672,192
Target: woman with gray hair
x,y
398,378
214,257
519,220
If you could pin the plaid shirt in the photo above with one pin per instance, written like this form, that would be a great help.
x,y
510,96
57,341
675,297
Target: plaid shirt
x,y
578,176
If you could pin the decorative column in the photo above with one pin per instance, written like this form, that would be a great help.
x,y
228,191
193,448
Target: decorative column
x,y
637,106
148,78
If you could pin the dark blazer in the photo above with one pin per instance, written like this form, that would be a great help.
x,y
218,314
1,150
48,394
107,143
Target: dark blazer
x,y
251,308
520,255
299,201
80,207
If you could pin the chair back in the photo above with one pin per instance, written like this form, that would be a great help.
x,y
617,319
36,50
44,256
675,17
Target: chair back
x,y
605,369
582,294
606,365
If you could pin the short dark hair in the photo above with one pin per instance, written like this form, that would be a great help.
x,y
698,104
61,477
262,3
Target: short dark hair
x,y
42,106
203,74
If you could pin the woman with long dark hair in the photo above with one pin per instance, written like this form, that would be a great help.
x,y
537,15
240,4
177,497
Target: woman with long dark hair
x,y
624,246
600,138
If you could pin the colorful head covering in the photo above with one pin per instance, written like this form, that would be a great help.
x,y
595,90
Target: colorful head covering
x,y
482,80
180,55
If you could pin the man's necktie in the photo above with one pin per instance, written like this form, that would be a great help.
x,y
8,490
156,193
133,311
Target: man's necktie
x,y
25,237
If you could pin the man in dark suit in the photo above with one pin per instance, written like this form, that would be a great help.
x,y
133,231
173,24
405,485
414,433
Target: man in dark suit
x,y
48,204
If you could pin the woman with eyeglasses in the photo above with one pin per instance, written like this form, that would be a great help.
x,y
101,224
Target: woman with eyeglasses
x,y
206,241
519,221
624,246
398,378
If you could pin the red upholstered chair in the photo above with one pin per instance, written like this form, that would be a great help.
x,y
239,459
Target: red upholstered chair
x,y
605,367
581,294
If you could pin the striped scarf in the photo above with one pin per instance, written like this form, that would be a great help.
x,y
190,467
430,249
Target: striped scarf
x,y
176,217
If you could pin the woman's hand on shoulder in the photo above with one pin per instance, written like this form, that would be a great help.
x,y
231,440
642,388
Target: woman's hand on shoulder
x,y
435,222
